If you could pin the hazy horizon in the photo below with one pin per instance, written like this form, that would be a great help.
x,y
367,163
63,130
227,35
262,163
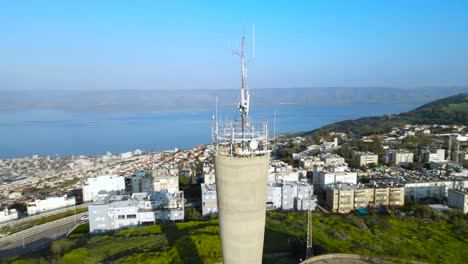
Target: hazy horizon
x,y
142,100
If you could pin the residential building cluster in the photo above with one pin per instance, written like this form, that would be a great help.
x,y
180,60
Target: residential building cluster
x,y
155,198
281,195
287,189
86,177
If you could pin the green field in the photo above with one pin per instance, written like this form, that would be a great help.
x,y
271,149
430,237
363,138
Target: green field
x,y
459,107
437,238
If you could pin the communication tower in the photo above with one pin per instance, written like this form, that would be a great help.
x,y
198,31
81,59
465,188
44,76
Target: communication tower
x,y
241,170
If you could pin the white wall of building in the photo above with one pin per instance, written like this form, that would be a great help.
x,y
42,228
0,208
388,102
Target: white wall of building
x,y
106,184
458,198
432,189
8,215
50,203
169,183
326,178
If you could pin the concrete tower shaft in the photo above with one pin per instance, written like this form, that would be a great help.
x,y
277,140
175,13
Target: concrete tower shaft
x,y
241,187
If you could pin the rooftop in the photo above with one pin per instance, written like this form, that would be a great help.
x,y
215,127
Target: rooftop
x,y
349,187
460,190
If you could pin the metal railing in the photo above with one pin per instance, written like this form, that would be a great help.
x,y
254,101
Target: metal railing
x,y
238,139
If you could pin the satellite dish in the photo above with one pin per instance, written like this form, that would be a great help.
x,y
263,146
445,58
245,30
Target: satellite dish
x,y
253,145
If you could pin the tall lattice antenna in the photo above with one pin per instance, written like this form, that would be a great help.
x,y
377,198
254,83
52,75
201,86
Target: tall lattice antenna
x,y
244,104
245,94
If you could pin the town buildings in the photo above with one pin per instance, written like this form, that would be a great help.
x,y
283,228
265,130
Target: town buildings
x,y
426,187
280,195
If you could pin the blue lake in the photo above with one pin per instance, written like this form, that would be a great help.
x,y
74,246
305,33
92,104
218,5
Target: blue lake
x,y
25,134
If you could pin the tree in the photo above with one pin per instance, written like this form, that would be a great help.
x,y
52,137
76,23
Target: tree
x,y
184,180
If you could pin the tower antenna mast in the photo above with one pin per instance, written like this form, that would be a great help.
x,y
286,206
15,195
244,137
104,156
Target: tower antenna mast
x,y
245,94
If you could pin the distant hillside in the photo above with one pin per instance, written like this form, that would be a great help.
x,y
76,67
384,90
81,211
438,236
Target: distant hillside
x,y
449,110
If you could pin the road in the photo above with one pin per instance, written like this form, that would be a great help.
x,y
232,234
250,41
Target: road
x,y
44,214
37,237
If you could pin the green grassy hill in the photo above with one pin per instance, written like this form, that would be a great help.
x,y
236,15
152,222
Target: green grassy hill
x,y
450,110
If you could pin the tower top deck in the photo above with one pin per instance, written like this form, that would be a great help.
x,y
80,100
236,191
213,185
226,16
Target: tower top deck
x,y
241,139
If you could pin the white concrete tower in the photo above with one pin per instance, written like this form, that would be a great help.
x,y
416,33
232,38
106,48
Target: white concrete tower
x,y
241,171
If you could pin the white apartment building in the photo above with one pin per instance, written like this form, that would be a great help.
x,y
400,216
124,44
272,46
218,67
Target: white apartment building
x,y
360,159
8,215
398,157
209,178
326,178
165,183
105,184
294,196
437,156
116,212
142,181
48,204
209,199
432,189
308,162
334,167
281,171
329,158
292,175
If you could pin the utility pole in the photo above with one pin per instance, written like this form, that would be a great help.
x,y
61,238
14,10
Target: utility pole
x,y
309,249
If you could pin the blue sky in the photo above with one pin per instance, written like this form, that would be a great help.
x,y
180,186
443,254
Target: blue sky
x,y
183,44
